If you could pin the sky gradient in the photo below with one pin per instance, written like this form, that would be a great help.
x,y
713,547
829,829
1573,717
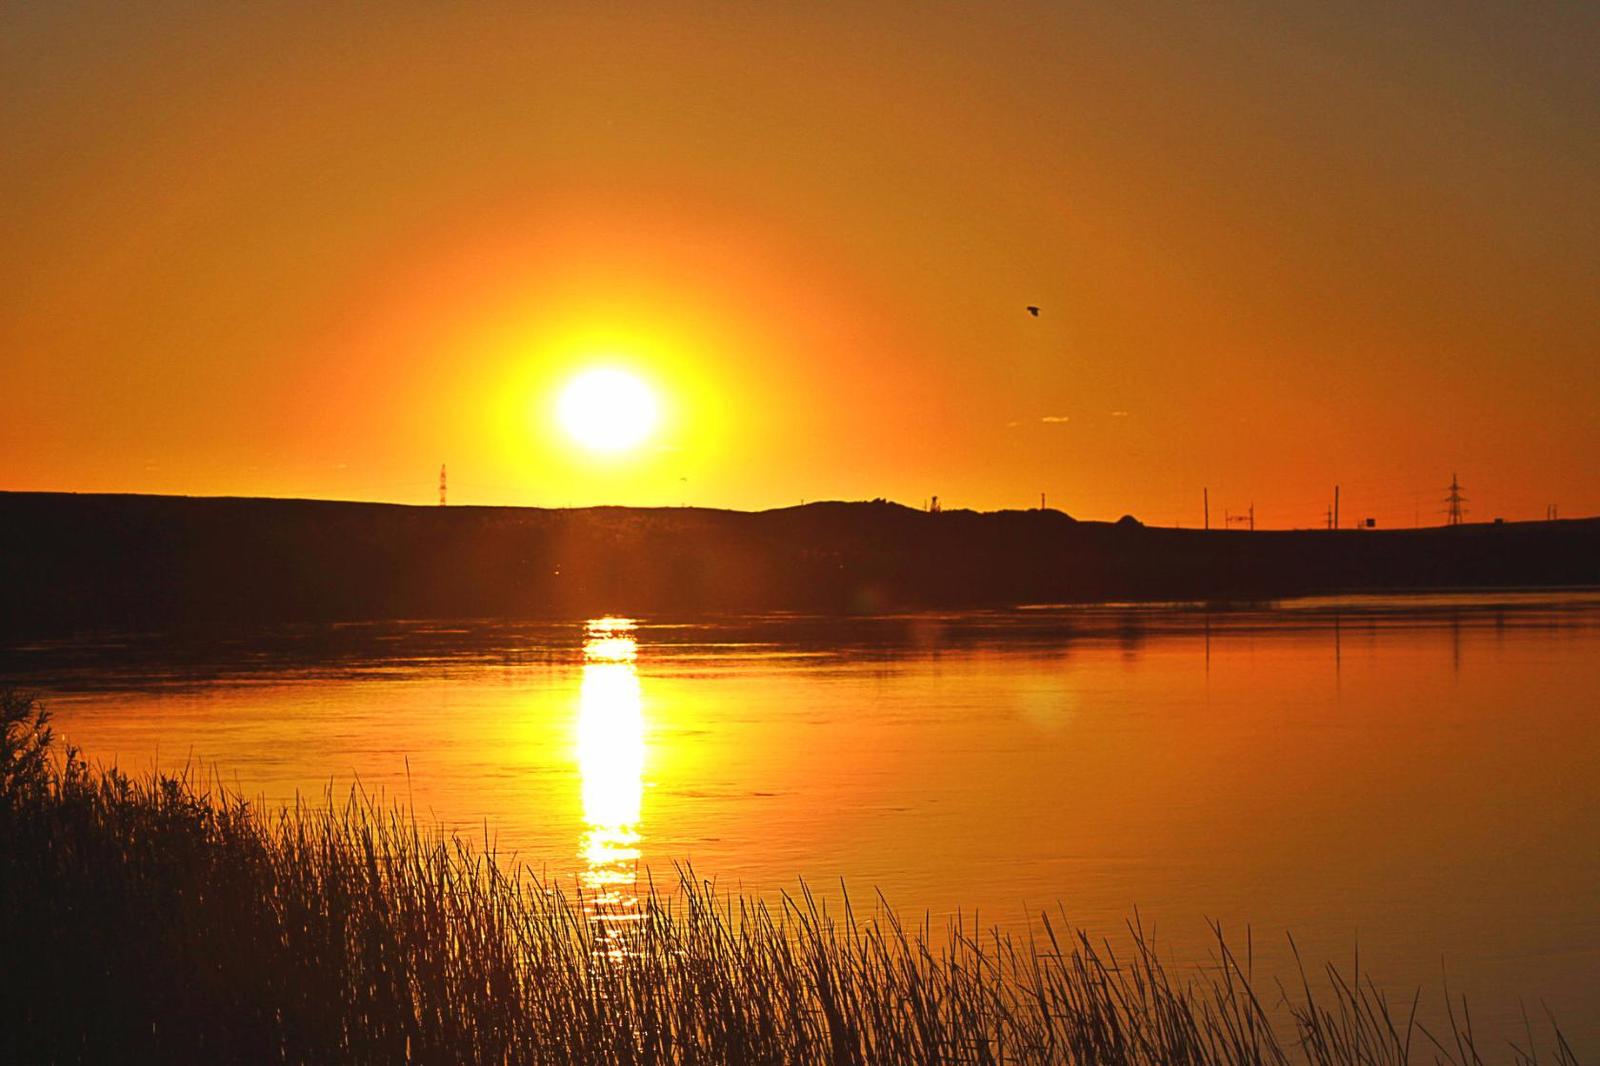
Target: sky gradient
x,y
305,251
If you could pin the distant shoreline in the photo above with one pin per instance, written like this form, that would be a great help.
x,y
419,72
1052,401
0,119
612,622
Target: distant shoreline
x,y
92,561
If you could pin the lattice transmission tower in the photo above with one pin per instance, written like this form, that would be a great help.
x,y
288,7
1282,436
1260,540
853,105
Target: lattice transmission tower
x,y
1454,501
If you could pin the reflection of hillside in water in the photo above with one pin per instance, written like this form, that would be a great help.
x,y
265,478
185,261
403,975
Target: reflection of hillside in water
x,y
381,650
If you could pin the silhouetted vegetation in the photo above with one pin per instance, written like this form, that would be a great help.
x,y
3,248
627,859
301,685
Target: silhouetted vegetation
x,y
156,921
73,562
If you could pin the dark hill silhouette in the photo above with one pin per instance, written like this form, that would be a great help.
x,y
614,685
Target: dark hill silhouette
x,y
70,562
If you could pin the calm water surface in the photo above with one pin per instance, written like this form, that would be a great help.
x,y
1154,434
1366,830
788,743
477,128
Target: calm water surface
x,y
1419,778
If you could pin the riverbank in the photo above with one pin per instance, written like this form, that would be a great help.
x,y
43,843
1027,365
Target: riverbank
x,y
71,563
160,920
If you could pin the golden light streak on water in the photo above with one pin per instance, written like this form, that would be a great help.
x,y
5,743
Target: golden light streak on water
x,y
611,757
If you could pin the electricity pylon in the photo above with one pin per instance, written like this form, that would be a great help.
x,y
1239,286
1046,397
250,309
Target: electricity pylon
x,y
1454,501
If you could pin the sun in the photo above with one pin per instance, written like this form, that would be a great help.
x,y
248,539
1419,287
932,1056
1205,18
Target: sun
x,y
607,410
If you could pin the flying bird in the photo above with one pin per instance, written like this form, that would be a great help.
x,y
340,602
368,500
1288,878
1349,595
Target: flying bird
x,y
1034,311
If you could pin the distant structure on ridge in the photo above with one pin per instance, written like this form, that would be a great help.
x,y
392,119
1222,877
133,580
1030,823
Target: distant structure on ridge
x,y
1454,501
441,484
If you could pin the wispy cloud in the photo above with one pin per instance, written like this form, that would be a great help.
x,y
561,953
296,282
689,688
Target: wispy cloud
x,y
1013,425
1119,414
1055,418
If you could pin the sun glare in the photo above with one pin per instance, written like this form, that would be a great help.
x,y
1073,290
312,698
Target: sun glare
x,y
607,410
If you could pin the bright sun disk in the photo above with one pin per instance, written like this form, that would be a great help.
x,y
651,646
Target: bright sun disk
x,y
607,410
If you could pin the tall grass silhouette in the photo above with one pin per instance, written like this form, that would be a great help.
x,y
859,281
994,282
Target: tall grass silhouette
x,y
159,920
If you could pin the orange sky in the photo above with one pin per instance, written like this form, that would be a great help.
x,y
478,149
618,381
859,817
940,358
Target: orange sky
x,y
309,252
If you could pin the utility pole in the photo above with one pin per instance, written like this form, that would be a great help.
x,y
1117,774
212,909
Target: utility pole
x,y
1336,507
1252,516
1205,498
1041,501
441,484
1454,501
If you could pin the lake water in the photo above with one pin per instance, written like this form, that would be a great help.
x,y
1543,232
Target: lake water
x,y
1418,778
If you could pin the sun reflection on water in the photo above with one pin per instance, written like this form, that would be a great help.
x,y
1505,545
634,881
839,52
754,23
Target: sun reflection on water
x,y
611,754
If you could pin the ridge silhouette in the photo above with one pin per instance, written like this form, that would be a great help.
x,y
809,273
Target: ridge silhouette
x,y
73,562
